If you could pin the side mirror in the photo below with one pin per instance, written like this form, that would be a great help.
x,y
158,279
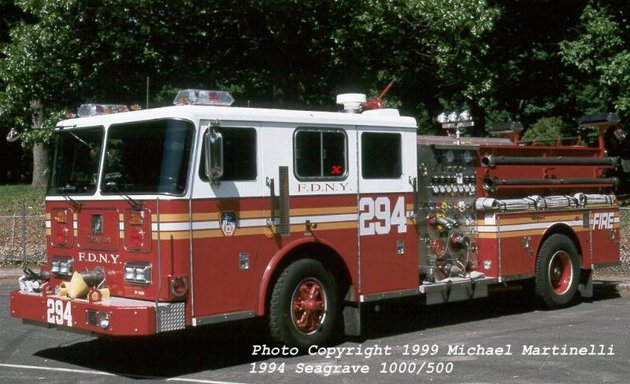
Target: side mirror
x,y
213,146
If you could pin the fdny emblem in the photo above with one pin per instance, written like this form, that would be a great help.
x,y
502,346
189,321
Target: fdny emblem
x,y
228,223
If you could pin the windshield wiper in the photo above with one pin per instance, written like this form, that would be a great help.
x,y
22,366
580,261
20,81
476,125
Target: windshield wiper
x,y
63,191
80,140
134,203
112,185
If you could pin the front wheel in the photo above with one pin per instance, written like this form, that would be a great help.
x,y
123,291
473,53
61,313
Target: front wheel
x,y
557,271
304,308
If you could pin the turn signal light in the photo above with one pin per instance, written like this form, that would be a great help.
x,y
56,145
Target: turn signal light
x,y
138,230
61,216
136,217
61,228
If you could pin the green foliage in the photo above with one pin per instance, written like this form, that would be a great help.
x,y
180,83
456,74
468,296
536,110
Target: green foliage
x,y
529,80
34,136
503,59
281,52
601,56
546,130
15,199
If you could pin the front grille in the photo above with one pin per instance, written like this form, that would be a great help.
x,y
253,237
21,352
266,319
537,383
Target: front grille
x,y
91,316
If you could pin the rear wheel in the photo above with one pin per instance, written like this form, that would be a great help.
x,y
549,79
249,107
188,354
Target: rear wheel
x,y
304,308
557,271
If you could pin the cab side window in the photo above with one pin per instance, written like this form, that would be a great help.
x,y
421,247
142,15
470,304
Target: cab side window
x,y
320,154
381,155
239,155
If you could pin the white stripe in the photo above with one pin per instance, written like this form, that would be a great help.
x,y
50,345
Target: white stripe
x,y
180,226
57,369
325,219
200,381
205,225
252,223
248,223
524,227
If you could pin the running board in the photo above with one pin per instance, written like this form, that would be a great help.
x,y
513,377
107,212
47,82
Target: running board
x,y
456,289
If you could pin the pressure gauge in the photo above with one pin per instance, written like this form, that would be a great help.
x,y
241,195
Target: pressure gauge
x,y
468,157
450,156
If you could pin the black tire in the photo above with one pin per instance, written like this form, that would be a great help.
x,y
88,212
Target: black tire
x,y
557,271
304,308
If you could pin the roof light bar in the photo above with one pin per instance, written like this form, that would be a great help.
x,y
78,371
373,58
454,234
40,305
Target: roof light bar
x,y
203,97
86,110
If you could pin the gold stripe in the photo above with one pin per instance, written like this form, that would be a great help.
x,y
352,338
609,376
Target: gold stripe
x,y
171,217
265,213
528,220
214,216
295,228
179,235
322,211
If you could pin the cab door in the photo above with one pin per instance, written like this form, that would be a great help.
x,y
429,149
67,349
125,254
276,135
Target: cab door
x,y
387,241
227,218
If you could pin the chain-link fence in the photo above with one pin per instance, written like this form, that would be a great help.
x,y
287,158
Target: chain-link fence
x,y
624,222
22,239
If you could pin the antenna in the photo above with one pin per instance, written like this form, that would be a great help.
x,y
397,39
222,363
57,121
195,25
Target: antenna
x,y
147,92
376,103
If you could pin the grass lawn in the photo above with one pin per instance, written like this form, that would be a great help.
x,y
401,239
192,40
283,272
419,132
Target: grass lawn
x,y
15,199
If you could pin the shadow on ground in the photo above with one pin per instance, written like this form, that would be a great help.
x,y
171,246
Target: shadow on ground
x,y
230,344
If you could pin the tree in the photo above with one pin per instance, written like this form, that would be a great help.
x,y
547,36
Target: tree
x,y
49,65
11,154
546,131
530,80
285,52
433,50
601,56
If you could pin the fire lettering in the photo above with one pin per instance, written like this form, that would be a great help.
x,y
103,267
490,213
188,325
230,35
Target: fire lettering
x,y
603,220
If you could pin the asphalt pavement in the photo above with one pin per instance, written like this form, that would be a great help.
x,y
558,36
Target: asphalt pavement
x,y
499,339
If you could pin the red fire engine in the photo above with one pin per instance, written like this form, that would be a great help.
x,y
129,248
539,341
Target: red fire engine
x,y
200,213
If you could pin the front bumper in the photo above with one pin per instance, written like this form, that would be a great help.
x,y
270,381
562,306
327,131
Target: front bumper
x,y
113,316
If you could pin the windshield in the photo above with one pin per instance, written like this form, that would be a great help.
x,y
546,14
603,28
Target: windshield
x,y
77,155
147,157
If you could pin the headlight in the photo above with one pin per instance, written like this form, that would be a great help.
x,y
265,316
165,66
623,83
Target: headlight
x,y
103,320
138,273
61,267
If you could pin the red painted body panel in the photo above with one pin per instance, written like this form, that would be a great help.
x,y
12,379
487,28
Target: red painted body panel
x,y
382,269
222,286
133,318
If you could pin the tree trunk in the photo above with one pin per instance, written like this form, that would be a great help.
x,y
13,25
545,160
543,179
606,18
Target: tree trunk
x,y
40,165
40,150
